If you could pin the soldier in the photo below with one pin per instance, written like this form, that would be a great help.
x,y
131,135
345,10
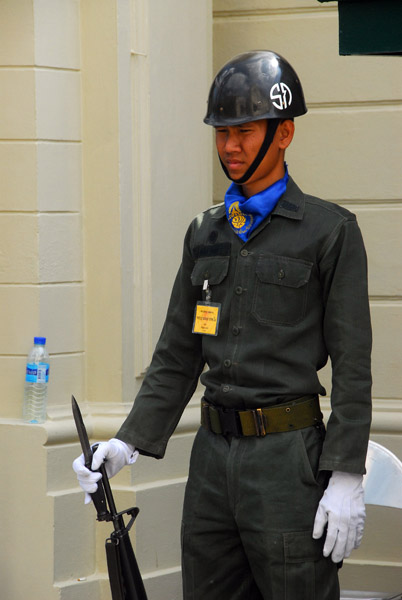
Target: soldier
x,y
272,283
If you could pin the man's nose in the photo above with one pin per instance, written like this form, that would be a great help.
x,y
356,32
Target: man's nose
x,y
232,141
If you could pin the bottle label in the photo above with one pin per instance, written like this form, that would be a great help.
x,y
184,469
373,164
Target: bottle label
x,y
37,373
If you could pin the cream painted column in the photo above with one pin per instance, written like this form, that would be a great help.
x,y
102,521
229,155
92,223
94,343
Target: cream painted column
x,y
41,288
101,190
147,173
177,47
40,203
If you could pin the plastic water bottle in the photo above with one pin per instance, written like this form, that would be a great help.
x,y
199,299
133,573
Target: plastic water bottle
x,y
36,381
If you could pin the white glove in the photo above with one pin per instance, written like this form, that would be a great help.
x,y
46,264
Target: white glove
x,y
342,508
115,453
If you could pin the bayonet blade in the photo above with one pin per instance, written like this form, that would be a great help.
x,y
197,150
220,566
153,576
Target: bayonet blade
x,y
98,497
82,433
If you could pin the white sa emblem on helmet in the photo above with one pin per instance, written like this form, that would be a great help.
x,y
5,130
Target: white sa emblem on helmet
x,y
281,92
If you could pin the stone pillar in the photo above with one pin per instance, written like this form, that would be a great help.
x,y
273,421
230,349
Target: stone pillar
x,y
104,160
41,292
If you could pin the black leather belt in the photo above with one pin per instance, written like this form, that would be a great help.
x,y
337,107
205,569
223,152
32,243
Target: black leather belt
x,y
300,413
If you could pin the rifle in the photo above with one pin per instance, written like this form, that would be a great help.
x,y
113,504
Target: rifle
x,y
124,575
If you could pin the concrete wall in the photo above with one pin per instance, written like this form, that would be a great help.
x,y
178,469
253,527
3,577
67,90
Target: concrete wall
x,y
41,284
103,162
347,149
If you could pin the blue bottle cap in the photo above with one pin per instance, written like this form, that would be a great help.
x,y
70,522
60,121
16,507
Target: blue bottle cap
x,y
40,340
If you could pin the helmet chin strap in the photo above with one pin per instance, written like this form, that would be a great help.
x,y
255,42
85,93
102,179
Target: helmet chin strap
x,y
272,125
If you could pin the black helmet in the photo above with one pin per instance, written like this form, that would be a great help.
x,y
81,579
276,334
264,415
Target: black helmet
x,y
252,86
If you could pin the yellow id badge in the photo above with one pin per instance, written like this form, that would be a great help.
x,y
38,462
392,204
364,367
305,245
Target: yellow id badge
x,y
206,318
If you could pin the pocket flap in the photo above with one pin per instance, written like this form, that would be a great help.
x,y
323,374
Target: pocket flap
x,y
213,269
282,270
299,546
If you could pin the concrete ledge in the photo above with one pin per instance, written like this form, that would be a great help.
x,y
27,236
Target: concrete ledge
x,y
164,583
95,587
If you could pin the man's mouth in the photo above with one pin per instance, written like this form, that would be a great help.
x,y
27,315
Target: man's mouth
x,y
233,164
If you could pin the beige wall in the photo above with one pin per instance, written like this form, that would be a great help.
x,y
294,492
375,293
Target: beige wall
x,y
41,283
96,95
99,176
40,162
347,149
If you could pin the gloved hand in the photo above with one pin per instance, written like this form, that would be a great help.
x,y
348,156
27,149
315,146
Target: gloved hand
x,y
342,508
116,455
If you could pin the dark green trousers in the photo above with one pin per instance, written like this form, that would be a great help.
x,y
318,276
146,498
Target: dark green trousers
x,y
248,517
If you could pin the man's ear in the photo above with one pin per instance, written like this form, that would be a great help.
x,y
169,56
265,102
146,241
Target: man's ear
x,y
286,132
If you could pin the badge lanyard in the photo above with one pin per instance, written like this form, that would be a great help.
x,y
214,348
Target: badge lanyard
x,y
206,314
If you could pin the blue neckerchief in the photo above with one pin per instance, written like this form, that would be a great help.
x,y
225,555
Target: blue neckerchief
x,y
245,214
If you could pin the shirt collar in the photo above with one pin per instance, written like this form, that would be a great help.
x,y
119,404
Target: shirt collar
x,y
292,203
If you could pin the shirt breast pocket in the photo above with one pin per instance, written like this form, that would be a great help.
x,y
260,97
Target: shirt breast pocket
x,y
281,289
214,269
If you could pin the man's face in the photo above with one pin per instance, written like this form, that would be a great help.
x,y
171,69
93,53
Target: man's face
x,y
239,145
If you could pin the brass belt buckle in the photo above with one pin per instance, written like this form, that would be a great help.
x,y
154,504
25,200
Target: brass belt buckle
x,y
259,422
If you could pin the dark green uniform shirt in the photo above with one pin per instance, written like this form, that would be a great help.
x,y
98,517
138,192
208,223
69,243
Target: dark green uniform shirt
x,y
292,295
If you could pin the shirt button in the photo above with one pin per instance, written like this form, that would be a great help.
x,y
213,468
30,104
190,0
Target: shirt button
x,y
281,274
244,252
227,363
239,290
235,330
225,389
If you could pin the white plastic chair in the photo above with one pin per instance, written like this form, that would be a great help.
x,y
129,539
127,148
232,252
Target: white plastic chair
x,y
383,480
382,486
